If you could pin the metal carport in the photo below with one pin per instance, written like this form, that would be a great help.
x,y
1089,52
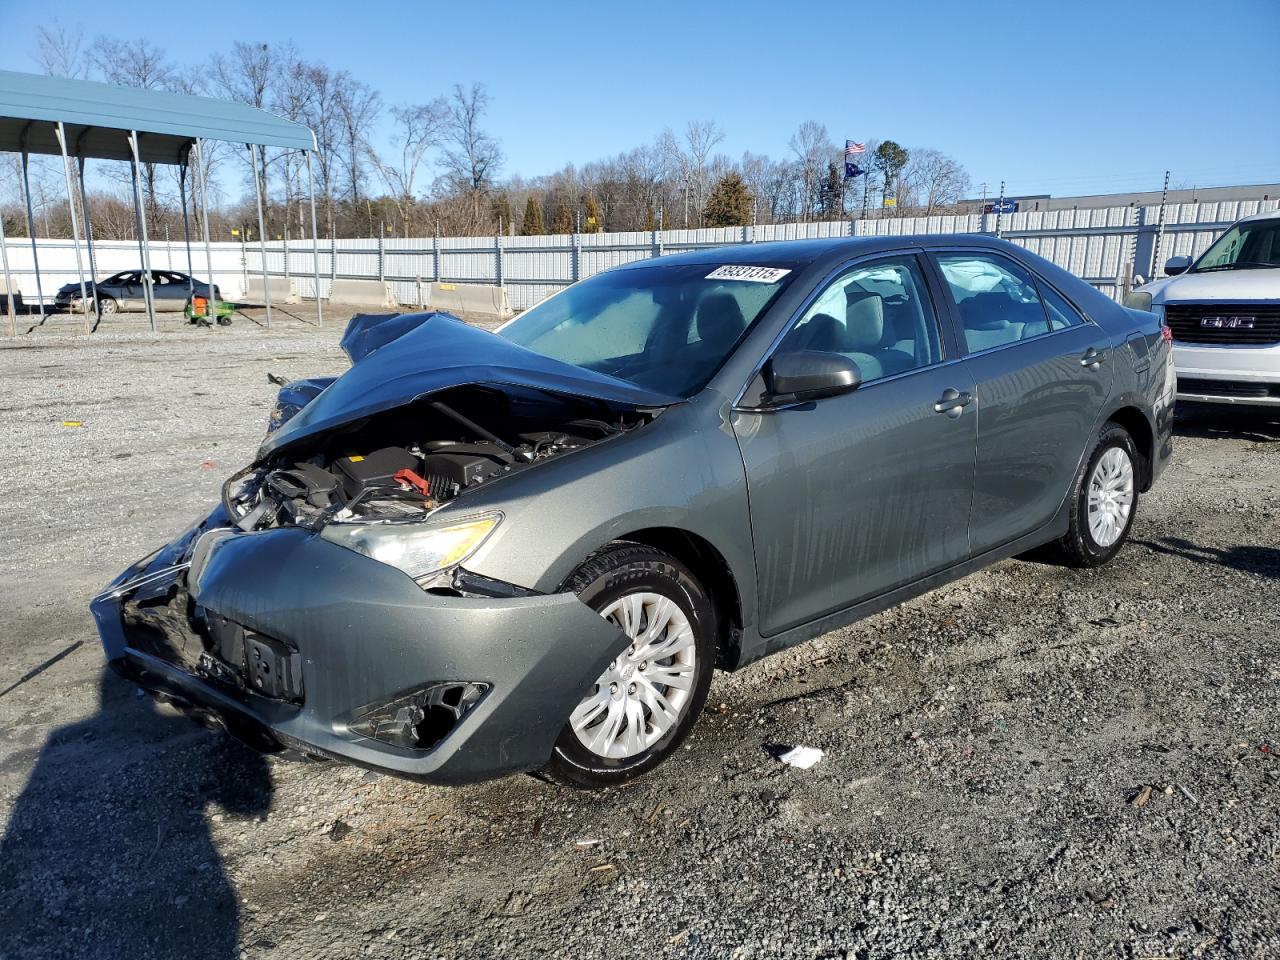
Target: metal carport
x,y
85,119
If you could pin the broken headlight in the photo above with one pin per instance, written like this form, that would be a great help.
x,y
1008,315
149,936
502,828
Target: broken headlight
x,y
416,549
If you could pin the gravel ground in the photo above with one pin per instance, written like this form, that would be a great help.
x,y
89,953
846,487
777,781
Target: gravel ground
x,y
1031,762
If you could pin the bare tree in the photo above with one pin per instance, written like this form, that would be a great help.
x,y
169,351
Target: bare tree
x,y
813,150
418,129
473,158
933,181
358,109
60,51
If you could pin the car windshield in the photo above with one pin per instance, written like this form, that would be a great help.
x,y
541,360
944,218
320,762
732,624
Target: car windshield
x,y
1245,246
667,328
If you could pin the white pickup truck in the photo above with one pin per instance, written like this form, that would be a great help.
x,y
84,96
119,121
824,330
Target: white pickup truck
x,y
1224,311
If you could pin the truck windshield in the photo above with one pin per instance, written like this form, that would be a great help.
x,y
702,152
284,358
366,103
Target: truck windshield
x,y
667,328
1245,246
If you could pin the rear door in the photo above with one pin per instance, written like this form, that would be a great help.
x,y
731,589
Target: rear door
x,y
1042,372
854,495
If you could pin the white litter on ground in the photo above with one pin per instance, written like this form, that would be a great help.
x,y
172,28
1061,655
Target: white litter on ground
x,y
802,757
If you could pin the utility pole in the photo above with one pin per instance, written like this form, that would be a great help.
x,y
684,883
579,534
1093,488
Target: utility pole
x,y
1000,210
1155,254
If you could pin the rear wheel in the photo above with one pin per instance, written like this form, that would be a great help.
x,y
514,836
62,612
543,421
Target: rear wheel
x,y
1105,500
645,702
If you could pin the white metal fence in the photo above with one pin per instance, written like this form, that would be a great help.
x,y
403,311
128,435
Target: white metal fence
x,y
1106,246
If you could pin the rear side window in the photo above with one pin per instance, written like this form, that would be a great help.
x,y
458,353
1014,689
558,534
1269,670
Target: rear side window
x,y
1061,314
997,300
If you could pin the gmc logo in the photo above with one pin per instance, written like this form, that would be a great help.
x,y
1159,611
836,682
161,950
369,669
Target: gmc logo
x,y
1228,323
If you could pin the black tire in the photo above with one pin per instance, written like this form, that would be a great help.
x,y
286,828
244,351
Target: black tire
x,y
1078,547
619,569
107,306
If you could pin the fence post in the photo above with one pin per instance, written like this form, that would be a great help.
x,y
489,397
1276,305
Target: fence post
x,y
435,255
382,266
656,243
497,258
575,250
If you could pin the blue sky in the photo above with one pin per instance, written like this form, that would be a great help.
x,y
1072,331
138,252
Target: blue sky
x,y
1053,97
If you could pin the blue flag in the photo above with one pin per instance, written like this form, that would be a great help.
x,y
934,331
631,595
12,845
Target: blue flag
x,y
852,170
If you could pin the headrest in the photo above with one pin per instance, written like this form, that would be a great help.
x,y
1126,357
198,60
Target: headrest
x,y
986,311
864,322
822,332
719,319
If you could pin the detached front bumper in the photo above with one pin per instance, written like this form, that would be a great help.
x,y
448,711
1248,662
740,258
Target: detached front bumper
x,y
1213,373
362,633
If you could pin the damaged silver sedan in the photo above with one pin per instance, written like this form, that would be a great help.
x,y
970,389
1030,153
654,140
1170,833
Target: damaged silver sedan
x,y
480,553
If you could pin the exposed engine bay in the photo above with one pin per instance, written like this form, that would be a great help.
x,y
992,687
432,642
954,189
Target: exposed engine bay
x,y
402,464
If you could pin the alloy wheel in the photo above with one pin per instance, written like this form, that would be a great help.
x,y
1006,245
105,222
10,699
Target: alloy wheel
x,y
1111,493
644,692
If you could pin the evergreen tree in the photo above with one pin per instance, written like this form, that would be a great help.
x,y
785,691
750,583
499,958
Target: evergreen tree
x,y
531,226
831,193
593,219
729,204
890,159
502,213
562,221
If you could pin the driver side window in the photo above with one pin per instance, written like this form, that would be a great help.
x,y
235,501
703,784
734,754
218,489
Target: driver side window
x,y
878,314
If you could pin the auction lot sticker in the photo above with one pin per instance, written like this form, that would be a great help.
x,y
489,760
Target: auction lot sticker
x,y
748,273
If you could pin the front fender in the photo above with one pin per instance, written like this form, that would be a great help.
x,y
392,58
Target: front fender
x,y
683,471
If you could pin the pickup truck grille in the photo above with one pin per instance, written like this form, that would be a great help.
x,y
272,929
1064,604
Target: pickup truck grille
x,y
1241,323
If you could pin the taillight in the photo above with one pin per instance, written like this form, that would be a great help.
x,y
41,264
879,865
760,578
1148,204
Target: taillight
x,y
1165,333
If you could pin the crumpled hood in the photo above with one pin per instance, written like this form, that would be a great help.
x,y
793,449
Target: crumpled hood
x,y
1229,285
433,352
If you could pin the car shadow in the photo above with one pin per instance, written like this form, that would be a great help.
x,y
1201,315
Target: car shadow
x,y
108,851
1227,422
1262,561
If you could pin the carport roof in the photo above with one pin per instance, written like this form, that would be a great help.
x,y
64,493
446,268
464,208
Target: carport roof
x,y
99,116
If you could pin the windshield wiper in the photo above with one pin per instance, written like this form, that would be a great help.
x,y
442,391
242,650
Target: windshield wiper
x,y
1241,265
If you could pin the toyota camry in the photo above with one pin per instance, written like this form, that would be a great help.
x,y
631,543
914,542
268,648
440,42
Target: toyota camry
x,y
477,553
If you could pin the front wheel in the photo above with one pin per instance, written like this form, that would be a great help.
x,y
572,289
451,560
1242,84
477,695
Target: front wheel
x,y
1105,500
645,702
107,306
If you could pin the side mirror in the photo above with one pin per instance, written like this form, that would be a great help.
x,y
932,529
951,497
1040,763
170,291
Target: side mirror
x,y
803,375
1176,265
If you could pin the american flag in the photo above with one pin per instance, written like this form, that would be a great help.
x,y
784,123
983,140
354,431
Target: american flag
x,y
852,148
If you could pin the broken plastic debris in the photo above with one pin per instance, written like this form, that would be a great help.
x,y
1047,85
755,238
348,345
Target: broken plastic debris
x,y
73,423
801,757
585,844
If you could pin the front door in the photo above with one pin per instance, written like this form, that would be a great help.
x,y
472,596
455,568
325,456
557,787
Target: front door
x,y
1043,372
853,495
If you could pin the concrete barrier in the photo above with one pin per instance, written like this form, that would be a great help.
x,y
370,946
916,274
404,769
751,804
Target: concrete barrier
x,y
362,293
282,290
4,296
474,298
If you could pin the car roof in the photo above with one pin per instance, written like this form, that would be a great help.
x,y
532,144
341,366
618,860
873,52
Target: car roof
x,y
1265,215
797,254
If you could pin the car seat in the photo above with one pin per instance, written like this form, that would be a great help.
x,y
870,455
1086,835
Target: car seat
x,y
866,333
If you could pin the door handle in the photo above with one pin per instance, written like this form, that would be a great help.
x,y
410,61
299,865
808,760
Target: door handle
x,y
952,402
1093,358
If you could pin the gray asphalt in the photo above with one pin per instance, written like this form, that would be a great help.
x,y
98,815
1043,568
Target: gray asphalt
x,y
1033,762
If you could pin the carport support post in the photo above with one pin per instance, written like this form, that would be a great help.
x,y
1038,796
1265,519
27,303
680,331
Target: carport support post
x,y
262,227
31,229
315,242
8,282
144,245
186,231
204,225
88,237
75,227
